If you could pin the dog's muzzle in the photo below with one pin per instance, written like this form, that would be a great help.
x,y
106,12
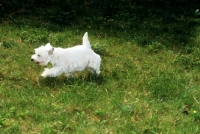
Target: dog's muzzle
x,y
35,61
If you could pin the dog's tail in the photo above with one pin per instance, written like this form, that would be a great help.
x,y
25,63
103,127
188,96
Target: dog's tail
x,y
86,41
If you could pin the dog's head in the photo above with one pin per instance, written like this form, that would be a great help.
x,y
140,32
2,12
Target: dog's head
x,y
42,54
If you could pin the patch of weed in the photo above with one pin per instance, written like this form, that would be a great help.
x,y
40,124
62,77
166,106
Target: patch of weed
x,y
155,47
8,44
166,85
34,35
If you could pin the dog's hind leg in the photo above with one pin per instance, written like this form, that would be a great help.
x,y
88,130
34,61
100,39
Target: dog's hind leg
x,y
69,75
94,70
97,71
94,66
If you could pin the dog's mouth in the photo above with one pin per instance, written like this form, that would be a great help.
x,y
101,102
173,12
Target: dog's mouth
x,y
37,62
40,63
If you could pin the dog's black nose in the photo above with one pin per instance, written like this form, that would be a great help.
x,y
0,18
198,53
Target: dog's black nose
x,y
32,59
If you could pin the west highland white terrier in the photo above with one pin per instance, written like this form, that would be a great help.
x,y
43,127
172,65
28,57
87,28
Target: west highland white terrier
x,y
67,60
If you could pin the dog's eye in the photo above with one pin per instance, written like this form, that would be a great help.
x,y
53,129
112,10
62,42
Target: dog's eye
x,y
38,55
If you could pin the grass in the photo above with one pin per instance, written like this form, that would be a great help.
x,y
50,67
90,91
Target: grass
x,y
142,88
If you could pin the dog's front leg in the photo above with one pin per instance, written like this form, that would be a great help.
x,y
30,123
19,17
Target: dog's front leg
x,y
52,72
44,73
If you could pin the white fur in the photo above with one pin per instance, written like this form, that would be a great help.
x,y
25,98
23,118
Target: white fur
x,y
67,60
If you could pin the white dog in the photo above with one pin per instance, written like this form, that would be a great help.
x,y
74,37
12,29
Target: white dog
x,y
67,60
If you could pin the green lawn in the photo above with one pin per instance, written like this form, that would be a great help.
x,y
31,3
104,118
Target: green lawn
x,y
142,89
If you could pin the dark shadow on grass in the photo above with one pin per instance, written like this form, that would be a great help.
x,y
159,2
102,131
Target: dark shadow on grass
x,y
60,81
96,79
171,23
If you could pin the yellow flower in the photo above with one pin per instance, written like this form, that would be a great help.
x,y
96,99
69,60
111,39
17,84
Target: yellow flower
x,y
194,112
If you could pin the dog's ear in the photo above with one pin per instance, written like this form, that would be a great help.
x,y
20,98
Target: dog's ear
x,y
51,50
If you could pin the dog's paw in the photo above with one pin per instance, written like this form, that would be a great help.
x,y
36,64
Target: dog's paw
x,y
44,74
69,75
